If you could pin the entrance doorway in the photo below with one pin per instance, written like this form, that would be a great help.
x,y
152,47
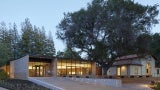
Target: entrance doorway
x,y
39,70
148,69
71,70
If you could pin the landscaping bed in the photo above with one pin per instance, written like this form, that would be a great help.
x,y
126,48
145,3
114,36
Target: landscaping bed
x,y
17,84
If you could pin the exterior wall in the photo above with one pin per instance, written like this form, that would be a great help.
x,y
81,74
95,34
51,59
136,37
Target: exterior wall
x,y
19,68
157,72
133,71
141,70
94,69
54,67
112,71
123,70
12,69
151,61
143,62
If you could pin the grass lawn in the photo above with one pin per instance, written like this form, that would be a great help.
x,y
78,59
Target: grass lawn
x,y
17,84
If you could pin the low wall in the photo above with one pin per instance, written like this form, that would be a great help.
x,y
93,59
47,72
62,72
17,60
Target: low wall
x,y
109,82
47,85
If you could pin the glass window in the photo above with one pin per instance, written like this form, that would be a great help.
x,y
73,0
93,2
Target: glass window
x,y
73,67
39,69
157,71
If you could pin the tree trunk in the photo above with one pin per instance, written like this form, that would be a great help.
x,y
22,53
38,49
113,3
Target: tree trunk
x,y
104,71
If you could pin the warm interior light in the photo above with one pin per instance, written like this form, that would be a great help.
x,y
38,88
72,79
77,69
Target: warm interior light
x,y
123,68
30,67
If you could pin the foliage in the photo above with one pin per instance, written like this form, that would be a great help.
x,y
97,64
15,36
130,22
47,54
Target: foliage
x,y
49,46
68,53
3,75
5,44
32,40
17,84
143,43
157,87
35,42
155,47
107,29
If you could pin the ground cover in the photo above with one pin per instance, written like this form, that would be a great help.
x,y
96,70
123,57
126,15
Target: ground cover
x,y
17,84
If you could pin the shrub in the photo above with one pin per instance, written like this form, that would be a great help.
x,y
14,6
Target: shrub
x,y
3,75
157,87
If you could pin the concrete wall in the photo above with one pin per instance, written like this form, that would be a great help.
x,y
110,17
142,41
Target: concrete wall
x,y
109,82
12,69
19,68
47,85
94,69
54,67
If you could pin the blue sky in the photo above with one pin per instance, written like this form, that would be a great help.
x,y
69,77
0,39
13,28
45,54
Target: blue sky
x,y
48,13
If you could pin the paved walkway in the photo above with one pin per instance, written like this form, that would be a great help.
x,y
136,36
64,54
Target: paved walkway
x,y
3,88
76,85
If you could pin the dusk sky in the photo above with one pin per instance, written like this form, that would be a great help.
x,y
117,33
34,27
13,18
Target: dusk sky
x,y
48,13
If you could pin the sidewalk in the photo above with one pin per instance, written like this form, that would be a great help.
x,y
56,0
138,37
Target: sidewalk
x,y
67,84
3,88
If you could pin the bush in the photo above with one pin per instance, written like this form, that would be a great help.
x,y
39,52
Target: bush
x,y
3,75
17,84
157,87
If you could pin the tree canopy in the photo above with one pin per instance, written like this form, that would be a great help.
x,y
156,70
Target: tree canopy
x,y
31,41
107,29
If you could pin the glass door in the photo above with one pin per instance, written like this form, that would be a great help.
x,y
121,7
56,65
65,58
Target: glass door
x,y
39,70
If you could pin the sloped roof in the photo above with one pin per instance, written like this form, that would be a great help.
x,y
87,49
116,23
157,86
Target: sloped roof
x,y
127,60
133,56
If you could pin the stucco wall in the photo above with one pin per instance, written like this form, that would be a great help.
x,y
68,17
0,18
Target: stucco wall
x,y
132,70
19,68
151,61
123,70
157,74
112,71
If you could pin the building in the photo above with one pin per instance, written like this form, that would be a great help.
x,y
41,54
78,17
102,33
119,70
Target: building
x,y
134,66
125,66
31,66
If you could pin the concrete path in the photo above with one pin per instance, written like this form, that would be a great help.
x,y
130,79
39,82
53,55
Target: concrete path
x,y
3,88
67,84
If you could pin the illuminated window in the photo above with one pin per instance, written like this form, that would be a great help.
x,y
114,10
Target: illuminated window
x,y
73,67
118,71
